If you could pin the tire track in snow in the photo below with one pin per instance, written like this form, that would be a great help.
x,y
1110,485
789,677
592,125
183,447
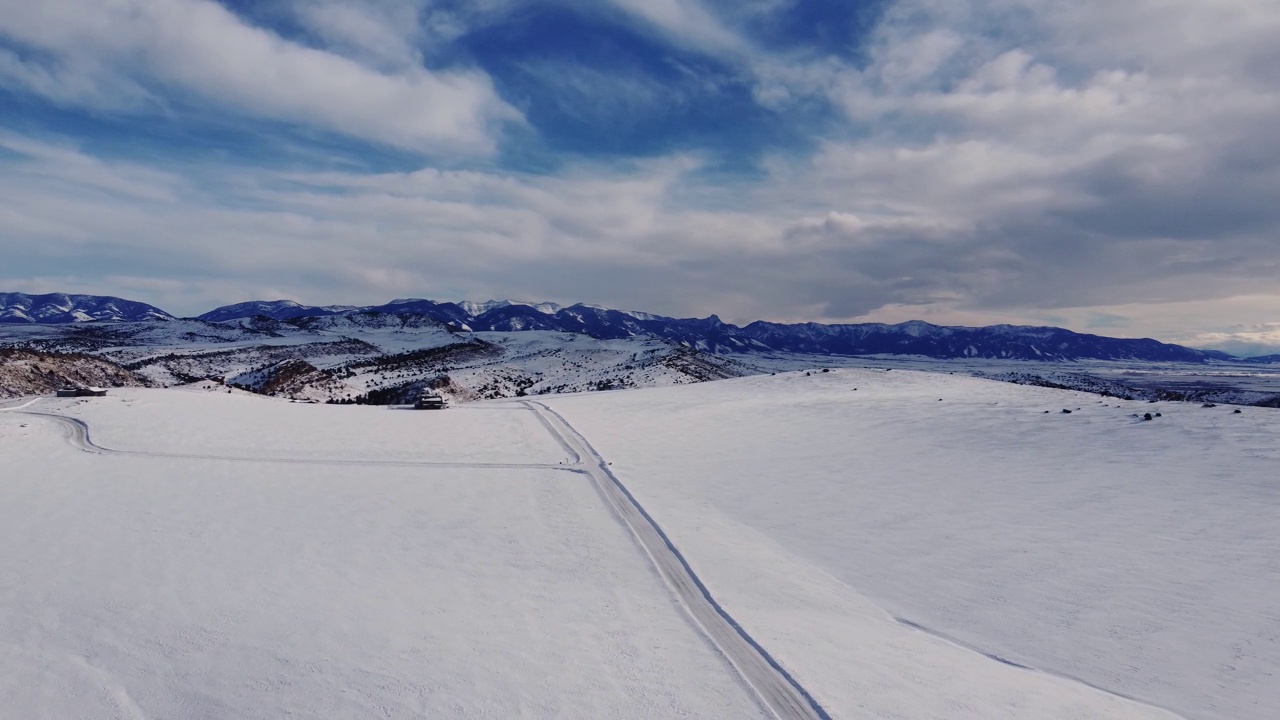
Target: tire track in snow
x,y
80,439
779,692
969,647
28,403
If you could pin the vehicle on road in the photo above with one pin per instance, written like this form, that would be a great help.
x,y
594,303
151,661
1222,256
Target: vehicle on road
x,y
430,401
81,392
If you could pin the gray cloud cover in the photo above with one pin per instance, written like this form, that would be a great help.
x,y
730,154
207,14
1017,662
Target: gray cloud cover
x,y
1095,164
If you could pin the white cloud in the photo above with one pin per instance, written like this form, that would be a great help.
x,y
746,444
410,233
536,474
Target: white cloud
x,y
1093,151
649,236
687,22
86,47
1002,161
594,232
45,161
381,34
1260,339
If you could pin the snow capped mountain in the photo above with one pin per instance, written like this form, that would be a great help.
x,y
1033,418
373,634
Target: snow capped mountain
x,y
514,349
445,312
710,334
480,308
58,308
549,308
366,320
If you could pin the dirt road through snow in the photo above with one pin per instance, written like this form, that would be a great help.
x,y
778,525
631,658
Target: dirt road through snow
x,y
780,692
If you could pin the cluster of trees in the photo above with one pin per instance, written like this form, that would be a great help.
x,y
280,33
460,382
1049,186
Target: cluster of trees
x,y
402,394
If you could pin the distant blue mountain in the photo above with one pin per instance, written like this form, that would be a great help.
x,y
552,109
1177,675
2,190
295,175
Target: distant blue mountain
x,y
445,312
58,308
1007,342
1012,342
274,309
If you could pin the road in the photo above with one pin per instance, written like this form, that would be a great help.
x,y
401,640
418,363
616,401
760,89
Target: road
x,y
779,692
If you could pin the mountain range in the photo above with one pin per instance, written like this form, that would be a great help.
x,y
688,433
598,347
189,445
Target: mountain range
x,y
59,308
708,334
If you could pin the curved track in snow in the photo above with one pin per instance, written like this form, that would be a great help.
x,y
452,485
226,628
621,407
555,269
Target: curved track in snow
x,y
78,436
779,692
6,406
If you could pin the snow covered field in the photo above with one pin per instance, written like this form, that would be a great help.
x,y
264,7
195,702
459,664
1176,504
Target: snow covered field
x,y
1139,557
151,587
192,421
900,550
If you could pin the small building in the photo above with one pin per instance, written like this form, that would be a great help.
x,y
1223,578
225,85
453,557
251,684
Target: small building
x,y
82,392
430,401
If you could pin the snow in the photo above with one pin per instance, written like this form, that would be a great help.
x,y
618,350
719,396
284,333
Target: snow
x,y
544,361
1248,379
925,546
474,308
1136,557
139,586
245,425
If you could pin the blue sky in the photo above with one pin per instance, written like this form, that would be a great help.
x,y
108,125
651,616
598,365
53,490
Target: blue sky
x,y
1098,166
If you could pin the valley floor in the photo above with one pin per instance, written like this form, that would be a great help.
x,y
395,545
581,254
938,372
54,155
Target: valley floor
x,y
925,546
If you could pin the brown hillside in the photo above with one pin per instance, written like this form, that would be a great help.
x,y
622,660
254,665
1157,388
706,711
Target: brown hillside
x,y
30,372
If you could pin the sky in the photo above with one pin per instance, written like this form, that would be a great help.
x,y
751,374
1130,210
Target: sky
x,y
1109,167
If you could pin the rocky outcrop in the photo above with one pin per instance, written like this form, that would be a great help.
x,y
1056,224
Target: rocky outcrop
x,y
31,372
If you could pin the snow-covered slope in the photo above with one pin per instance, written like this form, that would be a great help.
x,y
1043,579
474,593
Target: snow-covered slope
x,y
850,518
895,554
254,559
390,357
378,357
63,308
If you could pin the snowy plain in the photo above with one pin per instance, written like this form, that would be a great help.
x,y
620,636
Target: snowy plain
x,y
853,527
135,586
900,549
239,424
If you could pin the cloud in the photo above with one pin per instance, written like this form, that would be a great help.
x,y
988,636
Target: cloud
x,y
1100,164
687,22
1064,165
380,34
359,237
77,51
1254,341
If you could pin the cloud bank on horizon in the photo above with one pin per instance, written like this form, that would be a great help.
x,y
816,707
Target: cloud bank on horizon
x,y
1109,167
